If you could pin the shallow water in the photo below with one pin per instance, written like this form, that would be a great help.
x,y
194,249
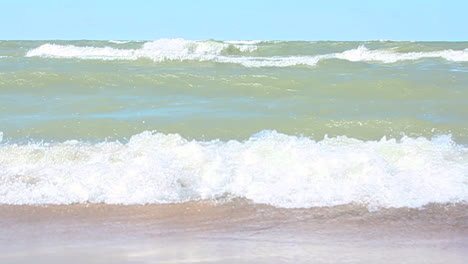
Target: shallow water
x,y
232,232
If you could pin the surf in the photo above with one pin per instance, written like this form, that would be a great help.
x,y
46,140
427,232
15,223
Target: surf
x,y
268,168
236,52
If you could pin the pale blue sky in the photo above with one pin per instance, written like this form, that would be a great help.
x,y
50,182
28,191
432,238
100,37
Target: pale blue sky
x,y
234,20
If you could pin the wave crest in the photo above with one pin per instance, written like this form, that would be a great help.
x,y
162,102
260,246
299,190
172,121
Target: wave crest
x,y
158,50
270,168
387,56
182,50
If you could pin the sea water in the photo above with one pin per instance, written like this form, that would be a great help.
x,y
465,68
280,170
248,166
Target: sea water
x,y
290,124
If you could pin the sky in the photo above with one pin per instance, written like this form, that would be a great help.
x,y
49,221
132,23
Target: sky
x,y
423,20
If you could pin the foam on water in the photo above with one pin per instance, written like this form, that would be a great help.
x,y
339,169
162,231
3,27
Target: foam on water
x,y
158,50
70,51
388,56
243,42
181,50
271,168
119,41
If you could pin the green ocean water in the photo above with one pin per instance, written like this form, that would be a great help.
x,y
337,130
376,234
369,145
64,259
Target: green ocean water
x,y
292,124
63,94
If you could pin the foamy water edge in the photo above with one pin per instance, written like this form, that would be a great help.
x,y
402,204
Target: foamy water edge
x,y
268,168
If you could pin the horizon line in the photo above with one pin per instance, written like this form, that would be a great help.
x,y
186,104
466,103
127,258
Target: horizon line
x,y
213,39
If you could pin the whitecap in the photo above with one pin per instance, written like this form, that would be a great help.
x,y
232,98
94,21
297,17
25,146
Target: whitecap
x,y
268,168
119,41
188,50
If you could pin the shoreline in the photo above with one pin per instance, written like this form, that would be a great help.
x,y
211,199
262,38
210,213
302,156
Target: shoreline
x,y
203,232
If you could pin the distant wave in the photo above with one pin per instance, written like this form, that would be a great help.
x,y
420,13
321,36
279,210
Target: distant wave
x,y
243,42
269,168
388,56
158,50
119,41
183,50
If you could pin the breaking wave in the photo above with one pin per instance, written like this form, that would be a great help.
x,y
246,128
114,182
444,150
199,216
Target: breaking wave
x,y
187,50
158,50
269,168
119,41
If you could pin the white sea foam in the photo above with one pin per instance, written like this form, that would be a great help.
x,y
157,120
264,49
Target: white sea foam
x,y
271,168
119,41
70,51
388,56
182,50
360,54
243,42
158,50
382,40
272,61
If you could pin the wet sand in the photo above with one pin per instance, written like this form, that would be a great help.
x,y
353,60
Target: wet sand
x,y
232,232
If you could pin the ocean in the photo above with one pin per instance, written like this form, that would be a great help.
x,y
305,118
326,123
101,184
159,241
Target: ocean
x,y
234,151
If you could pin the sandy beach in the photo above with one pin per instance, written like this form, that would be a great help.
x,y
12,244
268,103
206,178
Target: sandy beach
x,y
233,232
